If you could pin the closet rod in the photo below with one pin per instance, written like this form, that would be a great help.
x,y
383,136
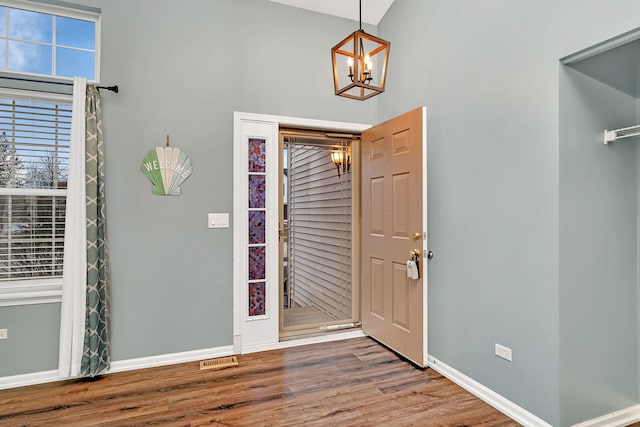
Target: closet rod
x,y
614,135
21,79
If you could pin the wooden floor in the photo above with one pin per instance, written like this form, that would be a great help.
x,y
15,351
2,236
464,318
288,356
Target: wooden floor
x,y
354,382
299,316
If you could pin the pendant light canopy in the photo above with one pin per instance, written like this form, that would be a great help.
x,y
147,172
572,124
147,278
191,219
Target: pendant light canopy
x,y
360,64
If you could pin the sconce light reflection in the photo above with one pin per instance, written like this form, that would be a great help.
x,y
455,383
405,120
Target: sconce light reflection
x,y
341,159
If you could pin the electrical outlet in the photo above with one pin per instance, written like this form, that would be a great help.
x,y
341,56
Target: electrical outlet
x,y
3,334
504,352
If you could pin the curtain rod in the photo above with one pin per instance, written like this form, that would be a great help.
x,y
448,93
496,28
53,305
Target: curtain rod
x,y
20,79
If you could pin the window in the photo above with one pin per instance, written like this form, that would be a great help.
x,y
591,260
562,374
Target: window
x,y
35,134
48,40
42,40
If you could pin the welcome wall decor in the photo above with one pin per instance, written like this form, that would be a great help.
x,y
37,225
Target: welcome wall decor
x,y
167,168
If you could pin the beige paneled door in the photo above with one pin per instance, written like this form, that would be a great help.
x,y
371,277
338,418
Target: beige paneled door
x,y
393,225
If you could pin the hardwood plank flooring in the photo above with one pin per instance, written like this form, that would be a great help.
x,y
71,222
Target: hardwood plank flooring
x,y
297,316
353,382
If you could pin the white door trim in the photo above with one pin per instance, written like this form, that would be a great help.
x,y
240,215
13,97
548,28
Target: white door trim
x,y
260,333
425,242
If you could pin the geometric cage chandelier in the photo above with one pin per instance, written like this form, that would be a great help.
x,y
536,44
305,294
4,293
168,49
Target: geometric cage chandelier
x,y
360,64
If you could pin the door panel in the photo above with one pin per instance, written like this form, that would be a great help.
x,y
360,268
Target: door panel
x,y
393,306
377,287
376,206
401,205
401,287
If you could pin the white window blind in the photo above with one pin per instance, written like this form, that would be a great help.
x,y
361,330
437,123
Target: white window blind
x,y
34,154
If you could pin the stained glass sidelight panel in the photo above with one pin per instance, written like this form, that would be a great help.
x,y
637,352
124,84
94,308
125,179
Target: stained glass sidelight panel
x,y
257,155
257,184
257,227
257,305
257,263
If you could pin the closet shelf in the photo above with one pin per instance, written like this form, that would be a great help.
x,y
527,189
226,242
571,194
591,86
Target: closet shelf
x,y
614,135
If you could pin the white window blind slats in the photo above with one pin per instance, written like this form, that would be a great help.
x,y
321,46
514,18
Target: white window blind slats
x,y
34,157
34,144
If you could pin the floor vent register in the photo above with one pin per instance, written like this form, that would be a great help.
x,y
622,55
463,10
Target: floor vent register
x,y
219,363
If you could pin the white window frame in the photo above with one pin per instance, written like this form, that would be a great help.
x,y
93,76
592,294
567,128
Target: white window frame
x,y
66,13
32,291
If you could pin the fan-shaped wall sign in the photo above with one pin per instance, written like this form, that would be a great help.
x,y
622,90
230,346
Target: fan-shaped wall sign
x,y
167,168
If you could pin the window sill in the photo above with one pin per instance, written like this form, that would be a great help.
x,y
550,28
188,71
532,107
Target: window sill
x,y
31,292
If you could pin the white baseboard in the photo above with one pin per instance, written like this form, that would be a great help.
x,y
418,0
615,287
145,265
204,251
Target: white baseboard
x,y
620,418
120,366
170,359
303,341
29,379
489,396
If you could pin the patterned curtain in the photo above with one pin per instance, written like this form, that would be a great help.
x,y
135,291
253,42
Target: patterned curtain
x,y
96,355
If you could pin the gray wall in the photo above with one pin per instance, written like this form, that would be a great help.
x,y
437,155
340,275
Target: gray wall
x,y
488,74
183,68
33,335
598,250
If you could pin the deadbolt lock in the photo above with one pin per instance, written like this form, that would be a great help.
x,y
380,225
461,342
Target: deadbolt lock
x,y
417,235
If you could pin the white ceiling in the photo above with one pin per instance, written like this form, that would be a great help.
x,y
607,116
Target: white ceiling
x,y
372,10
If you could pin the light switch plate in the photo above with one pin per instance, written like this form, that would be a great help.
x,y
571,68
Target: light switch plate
x,y
218,220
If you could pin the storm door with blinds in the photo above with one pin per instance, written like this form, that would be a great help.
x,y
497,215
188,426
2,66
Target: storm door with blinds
x,y
317,234
34,153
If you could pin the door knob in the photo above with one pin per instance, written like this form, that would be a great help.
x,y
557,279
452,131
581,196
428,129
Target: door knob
x,y
417,235
415,254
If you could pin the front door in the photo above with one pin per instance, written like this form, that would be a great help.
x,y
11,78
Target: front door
x,y
394,224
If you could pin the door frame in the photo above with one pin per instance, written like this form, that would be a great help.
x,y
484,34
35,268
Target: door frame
x,y
259,333
297,331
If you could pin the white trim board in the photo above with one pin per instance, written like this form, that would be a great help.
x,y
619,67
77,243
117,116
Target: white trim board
x,y
487,395
24,380
170,359
120,366
305,341
620,418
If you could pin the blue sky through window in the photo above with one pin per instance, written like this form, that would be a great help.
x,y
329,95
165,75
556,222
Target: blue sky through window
x,y
3,20
71,62
75,33
31,26
29,57
28,44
